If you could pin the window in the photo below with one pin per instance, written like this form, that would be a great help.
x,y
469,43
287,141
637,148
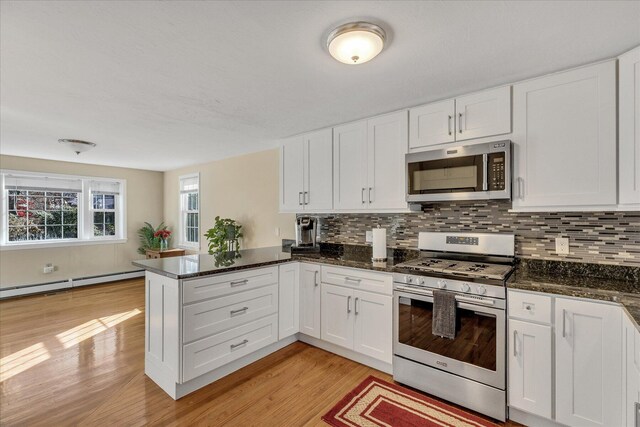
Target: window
x,y
190,211
39,209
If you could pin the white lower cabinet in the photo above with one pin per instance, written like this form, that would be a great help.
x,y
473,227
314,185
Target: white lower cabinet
x,y
530,370
288,300
357,320
310,300
632,373
588,363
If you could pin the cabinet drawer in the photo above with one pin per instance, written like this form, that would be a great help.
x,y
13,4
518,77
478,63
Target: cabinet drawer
x,y
529,306
358,279
219,314
213,352
225,284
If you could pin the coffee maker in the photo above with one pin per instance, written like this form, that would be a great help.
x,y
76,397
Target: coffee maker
x,y
306,231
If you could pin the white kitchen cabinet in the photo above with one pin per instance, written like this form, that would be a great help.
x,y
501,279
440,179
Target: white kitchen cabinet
x,y
337,315
588,384
368,160
632,372
350,166
372,325
476,115
432,124
306,178
530,365
288,300
629,130
310,299
564,135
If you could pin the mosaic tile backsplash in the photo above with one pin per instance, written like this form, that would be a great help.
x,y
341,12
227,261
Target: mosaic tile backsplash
x,y
594,237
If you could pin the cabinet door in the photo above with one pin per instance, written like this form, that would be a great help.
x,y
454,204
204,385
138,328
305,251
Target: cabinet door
x,y
310,300
350,166
431,125
588,363
386,148
372,325
529,355
288,300
564,134
337,315
484,113
632,372
291,175
629,148
318,170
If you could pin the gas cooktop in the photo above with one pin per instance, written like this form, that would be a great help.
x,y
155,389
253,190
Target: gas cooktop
x,y
480,270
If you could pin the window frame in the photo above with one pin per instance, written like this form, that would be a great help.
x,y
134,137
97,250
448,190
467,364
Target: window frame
x,y
84,213
183,212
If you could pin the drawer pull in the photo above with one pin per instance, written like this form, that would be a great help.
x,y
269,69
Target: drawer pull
x,y
239,282
315,278
351,279
240,344
242,310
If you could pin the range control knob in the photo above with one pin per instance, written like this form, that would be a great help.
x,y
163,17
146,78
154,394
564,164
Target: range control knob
x,y
422,281
409,279
465,287
442,284
482,290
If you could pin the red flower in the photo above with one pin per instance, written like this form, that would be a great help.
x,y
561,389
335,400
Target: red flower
x,y
163,234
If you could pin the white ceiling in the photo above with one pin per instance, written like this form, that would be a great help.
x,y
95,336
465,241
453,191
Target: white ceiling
x,y
160,85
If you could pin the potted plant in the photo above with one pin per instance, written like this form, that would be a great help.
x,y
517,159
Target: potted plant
x,y
148,238
224,236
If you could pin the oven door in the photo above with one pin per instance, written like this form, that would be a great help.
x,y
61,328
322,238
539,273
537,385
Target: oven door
x,y
478,350
472,172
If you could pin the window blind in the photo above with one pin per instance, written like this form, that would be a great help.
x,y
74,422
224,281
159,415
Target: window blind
x,y
189,184
41,183
105,187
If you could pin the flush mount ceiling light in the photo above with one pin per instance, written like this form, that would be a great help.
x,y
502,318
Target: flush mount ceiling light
x,y
76,145
356,42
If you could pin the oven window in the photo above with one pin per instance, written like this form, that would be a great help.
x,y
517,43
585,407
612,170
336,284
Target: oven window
x,y
475,341
461,174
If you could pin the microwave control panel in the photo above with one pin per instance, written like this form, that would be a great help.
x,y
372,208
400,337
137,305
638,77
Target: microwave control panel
x,y
496,172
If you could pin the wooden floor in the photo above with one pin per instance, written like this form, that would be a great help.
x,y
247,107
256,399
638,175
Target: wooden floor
x,y
77,358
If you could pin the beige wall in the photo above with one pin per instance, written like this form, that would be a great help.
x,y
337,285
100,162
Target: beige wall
x,y
244,188
144,203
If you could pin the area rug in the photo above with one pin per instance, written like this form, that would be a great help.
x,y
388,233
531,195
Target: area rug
x,y
378,403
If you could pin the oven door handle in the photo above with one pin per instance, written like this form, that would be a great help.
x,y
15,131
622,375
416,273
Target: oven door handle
x,y
476,301
484,306
461,298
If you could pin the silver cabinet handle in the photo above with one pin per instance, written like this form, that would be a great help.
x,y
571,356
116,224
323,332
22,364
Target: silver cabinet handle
x,y
315,278
515,342
370,200
362,196
239,282
485,172
352,279
564,322
449,124
242,310
240,344
306,197
299,197
355,305
349,304
460,123
520,184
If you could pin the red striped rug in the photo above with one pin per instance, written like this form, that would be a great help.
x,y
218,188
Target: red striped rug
x,y
378,403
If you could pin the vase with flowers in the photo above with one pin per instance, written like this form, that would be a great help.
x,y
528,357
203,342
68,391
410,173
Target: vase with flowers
x,y
163,235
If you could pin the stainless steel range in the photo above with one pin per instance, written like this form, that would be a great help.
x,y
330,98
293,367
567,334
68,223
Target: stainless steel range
x,y
469,369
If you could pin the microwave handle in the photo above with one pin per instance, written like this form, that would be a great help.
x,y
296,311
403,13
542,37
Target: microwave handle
x,y
485,172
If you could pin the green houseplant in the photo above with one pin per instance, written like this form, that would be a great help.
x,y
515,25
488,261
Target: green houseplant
x,y
224,236
149,237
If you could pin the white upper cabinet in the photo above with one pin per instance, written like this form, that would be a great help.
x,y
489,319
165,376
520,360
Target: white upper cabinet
x,y
483,114
477,115
368,164
564,134
588,363
629,130
386,148
432,124
306,172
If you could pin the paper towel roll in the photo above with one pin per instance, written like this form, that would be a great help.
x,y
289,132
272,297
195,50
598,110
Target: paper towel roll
x,y
379,243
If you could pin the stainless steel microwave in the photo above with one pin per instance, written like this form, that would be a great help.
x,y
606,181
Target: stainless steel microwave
x,y
470,172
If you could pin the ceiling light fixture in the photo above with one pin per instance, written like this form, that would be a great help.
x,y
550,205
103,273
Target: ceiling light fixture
x,y
76,145
356,42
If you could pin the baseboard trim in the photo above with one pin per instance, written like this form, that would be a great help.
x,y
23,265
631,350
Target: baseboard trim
x,y
68,284
530,419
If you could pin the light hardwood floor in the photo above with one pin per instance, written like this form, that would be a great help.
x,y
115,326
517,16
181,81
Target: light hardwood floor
x,y
77,358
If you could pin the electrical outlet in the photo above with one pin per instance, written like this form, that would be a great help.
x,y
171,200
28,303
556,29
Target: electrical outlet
x,y
277,231
369,237
562,245
48,269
